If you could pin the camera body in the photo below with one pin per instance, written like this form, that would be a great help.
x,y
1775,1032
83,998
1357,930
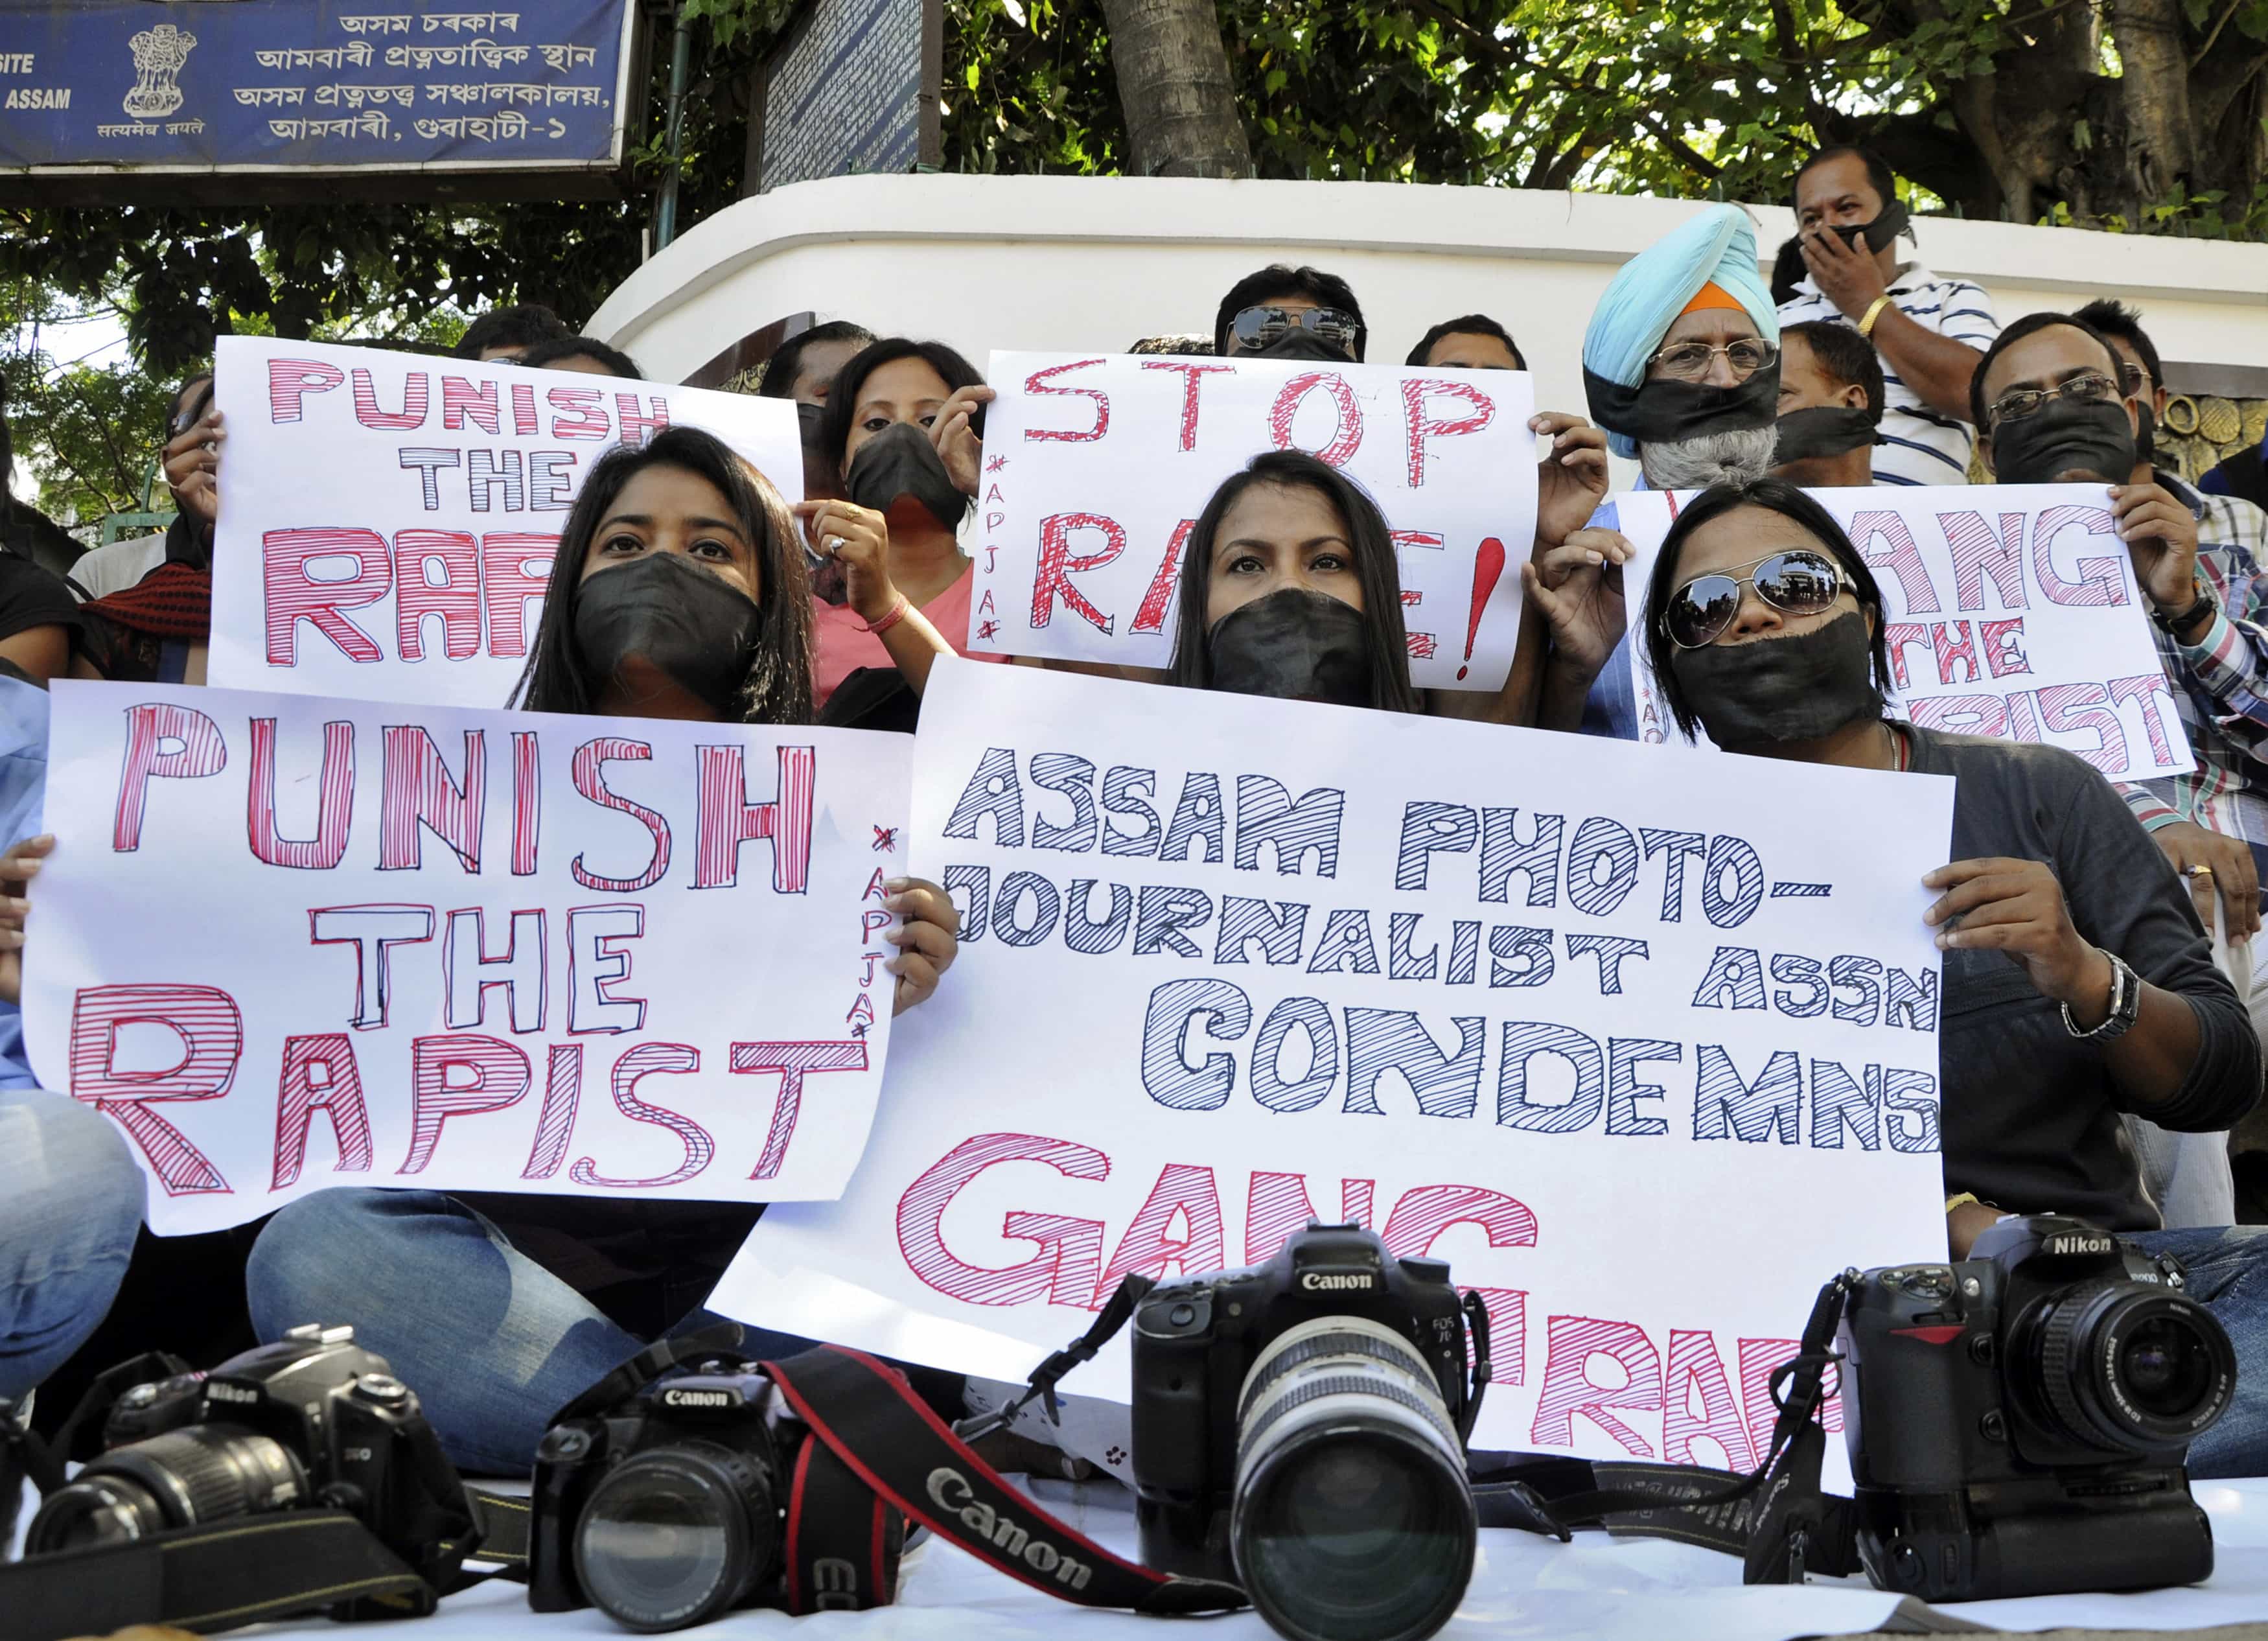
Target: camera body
x,y
313,1421
720,1442
2018,1422
1197,1339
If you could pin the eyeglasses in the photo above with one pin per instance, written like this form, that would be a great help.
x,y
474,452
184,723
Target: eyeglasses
x,y
2090,388
1690,361
1261,327
2134,379
1795,581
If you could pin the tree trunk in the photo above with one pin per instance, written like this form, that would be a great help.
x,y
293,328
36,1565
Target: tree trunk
x,y
1175,87
2153,86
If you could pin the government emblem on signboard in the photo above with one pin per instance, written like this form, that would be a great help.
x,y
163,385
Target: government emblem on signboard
x,y
158,55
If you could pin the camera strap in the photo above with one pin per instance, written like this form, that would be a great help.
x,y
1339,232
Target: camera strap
x,y
1776,1518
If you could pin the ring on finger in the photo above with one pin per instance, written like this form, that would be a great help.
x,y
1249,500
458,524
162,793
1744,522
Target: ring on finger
x,y
2197,872
832,546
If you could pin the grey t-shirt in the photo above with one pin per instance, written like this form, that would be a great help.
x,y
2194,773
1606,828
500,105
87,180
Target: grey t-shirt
x,y
2030,1114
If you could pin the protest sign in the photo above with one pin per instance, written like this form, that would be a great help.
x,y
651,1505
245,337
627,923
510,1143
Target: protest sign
x,y
2010,612
1597,1038
1095,467
291,943
388,520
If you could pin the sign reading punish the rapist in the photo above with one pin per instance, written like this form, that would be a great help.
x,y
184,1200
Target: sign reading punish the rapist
x,y
387,520
1597,1038
2009,611
289,944
1096,466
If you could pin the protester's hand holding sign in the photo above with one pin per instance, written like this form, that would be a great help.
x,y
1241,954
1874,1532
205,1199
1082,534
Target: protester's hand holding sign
x,y
2162,538
927,940
956,440
858,539
1572,479
192,460
18,867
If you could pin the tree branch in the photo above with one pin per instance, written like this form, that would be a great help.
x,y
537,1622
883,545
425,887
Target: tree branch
x,y
2202,51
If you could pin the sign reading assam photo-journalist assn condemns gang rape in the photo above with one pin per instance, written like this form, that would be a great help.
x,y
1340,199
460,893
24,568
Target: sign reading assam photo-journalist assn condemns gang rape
x,y
1096,466
1596,1038
464,949
2009,611
388,520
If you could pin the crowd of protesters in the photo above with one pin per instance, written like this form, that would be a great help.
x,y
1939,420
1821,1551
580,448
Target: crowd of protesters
x,y
2102,1015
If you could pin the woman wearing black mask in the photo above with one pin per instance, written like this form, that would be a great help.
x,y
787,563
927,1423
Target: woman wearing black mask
x,y
677,592
1290,587
906,419
2078,983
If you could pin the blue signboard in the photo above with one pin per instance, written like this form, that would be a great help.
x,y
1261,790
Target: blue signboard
x,y
298,85
854,89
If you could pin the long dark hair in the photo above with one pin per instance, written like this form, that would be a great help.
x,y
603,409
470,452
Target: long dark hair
x,y
842,398
778,690
1377,571
1773,496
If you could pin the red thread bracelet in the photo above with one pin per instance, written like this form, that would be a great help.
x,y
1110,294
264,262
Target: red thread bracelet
x,y
897,613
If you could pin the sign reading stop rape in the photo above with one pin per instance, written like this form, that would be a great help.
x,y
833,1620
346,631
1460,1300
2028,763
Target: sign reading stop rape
x,y
291,943
2010,612
1511,997
389,520
1096,466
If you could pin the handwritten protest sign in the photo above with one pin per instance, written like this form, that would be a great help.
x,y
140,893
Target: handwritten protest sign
x,y
1095,467
1513,998
388,520
2010,612
290,943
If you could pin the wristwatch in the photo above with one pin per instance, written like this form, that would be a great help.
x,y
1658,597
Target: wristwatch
x,y
2204,604
2125,1004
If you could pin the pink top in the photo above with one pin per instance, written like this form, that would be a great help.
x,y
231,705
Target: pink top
x,y
841,645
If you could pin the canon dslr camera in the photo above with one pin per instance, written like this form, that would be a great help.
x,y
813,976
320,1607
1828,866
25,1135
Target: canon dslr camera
x,y
311,1422
2018,1422
1298,1429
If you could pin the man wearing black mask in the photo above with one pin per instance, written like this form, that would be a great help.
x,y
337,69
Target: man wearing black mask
x,y
1831,402
1927,330
1283,312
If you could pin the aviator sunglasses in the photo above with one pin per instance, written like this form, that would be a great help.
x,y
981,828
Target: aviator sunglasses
x,y
1258,328
1795,581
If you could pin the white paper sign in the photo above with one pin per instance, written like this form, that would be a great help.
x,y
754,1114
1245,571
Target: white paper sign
x,y
1096,466
388,520
1597,1038
290,943
2011,611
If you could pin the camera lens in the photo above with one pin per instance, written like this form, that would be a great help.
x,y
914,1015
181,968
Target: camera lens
x,y
1353,1518
675,1535
198,1473
2128,1367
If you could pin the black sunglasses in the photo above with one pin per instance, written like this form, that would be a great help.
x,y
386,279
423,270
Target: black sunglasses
x,y
1795,581
1258,326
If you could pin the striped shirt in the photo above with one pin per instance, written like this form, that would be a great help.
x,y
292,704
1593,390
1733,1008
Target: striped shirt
x,y
2221,682
1916,445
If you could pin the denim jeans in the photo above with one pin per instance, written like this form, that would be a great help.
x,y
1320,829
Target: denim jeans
x,y
2228,1273
71,1197
493,1343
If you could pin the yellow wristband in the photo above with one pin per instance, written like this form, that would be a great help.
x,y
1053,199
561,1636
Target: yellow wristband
x,y
1873,312
1952,1203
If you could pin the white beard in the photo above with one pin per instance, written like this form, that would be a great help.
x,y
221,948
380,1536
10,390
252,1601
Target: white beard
x,y
1738,456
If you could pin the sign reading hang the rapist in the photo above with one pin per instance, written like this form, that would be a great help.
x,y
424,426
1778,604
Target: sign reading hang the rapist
x,y
1596,1038
2010,612
1096,466
462,949
387,520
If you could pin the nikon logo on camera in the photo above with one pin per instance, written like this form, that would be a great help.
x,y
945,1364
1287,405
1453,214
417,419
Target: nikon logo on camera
x,y
696,1398
1321,1282
2078,1244
218,1391
950,1491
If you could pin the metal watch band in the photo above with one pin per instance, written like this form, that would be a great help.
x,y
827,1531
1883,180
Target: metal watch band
x,y
2125,1004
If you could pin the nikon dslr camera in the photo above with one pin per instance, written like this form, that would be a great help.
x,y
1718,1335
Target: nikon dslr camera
x,y
311,1422
2018,1422
1298,1429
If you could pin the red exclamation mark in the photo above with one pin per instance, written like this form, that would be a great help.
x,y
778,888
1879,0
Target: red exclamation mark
x,y
1488,566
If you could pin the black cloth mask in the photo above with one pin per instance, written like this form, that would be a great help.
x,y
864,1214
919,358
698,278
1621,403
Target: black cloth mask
x,y
1882,231
697,627
900,460
2145,434
1823,430
1663,411
2063,436
1294,645
1782,689
1299,342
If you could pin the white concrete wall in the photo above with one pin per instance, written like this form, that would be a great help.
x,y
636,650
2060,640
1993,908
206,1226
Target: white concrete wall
x,y
1074,263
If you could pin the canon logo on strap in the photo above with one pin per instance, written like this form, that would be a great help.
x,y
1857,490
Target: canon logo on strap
x,y
949,1491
